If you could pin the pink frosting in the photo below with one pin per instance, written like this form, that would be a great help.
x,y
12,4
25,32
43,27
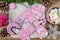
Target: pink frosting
x,y
3,19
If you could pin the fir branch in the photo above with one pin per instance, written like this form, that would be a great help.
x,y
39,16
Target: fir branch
x,y
38,1
9,1
21,1
30,2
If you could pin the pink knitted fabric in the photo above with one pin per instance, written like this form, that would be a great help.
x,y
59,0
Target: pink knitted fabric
x,y
24,34
3,19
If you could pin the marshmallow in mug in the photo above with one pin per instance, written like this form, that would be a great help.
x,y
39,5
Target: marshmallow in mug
x,y
54,16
